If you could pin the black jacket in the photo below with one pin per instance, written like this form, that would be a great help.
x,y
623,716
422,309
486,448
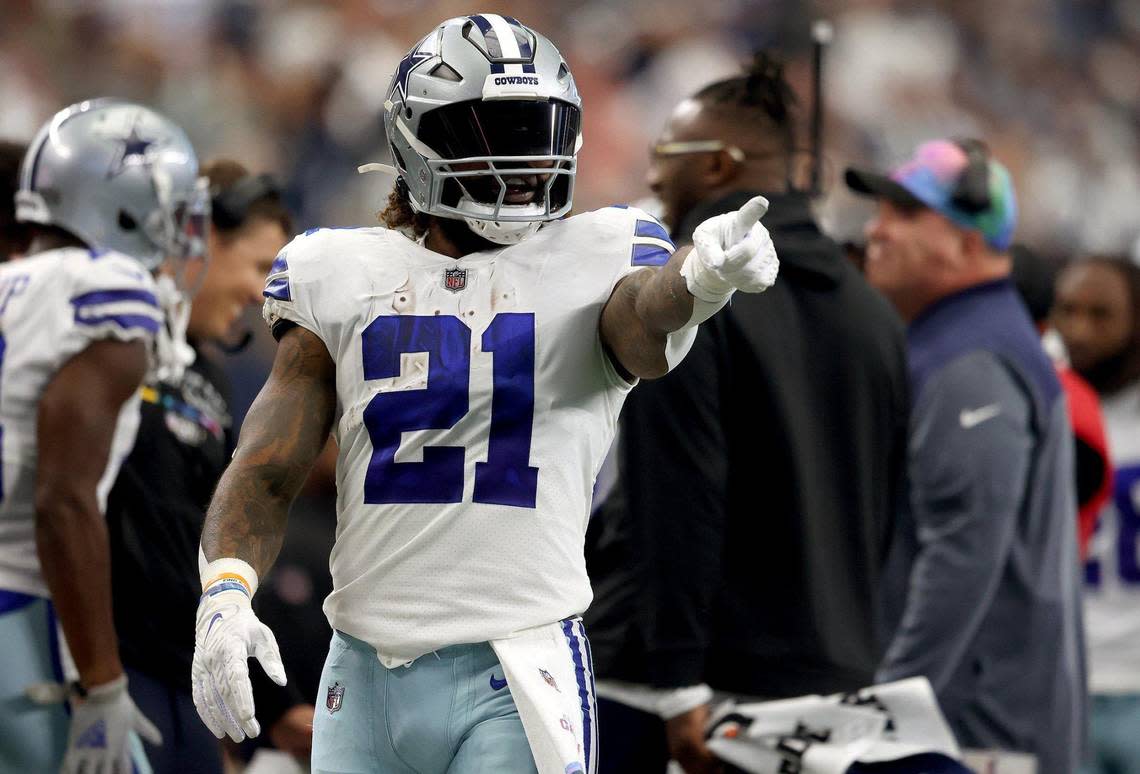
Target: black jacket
x,y
744,543
155,514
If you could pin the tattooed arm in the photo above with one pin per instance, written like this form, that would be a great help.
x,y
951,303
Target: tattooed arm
x,y
283,434
650,319
643,310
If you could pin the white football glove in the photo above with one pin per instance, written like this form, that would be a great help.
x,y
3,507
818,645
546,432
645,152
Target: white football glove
x,y
98,741
731,252
227,634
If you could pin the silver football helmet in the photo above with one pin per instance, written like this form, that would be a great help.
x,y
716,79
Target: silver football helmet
x,y
118,176
484,123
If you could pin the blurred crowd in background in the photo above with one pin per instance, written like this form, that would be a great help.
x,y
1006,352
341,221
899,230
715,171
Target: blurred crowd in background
x,y
295,87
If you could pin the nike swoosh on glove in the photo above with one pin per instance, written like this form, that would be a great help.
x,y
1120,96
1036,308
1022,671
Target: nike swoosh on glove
x,y
227,633
731,252
98,740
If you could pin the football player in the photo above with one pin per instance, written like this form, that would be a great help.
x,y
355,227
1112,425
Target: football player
x,y
111,193
1097,315
471,359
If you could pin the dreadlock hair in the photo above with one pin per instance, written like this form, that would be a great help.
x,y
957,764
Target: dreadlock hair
x,y
760,98
398,215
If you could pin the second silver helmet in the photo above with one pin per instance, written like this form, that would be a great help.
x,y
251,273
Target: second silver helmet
x,y
118,176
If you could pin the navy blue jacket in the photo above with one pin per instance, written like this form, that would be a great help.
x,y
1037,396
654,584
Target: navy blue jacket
x,y
981,589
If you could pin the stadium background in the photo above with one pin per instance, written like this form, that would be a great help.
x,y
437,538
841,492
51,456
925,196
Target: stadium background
x,y
295,88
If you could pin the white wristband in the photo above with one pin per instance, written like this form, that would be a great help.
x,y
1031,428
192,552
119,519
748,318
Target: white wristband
x,y
703,281
229,574
710,293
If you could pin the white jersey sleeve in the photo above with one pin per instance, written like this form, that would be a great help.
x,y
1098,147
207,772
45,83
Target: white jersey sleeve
x,y
52,306
111,297
649,242
649,246
294,280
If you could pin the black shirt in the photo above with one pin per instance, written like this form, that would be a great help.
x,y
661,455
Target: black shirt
x,y
745,541
155,514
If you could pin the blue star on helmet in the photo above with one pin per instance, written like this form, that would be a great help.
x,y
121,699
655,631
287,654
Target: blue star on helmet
x,y
135,151
413,60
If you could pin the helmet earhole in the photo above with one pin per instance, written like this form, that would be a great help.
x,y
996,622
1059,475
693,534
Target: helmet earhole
x,y
407,112
126,222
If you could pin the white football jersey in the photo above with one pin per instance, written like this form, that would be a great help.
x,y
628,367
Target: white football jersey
x,y
1112,574
52,305
474,407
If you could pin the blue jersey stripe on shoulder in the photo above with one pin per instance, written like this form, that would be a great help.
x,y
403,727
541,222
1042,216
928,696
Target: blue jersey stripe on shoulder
x,y
315,229
114,296
279,264
650,255
619,206
278,289
124,321
651,228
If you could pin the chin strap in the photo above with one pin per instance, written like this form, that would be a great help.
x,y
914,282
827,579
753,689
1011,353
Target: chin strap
x,y
375,166
501,232
172,353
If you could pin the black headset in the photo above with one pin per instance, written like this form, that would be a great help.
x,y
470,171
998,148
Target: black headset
x,y
230,206
972,190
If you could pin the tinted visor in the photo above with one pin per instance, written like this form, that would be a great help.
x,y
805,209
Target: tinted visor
x,y
501,128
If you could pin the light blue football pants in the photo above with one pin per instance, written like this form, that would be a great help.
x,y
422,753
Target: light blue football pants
x,y
449,712
33,737
1115,735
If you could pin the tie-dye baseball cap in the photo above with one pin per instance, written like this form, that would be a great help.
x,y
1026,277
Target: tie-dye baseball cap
x,y
933,178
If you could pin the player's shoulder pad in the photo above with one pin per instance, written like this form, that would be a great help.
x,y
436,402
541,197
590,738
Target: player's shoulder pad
x,y
106,270
650,244
112,292
319,253
647,238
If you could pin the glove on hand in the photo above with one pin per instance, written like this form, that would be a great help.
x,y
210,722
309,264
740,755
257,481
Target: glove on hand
x,y
228,632
730,252
98,740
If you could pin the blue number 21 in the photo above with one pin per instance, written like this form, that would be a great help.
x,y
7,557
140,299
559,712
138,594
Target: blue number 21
x,y
506,478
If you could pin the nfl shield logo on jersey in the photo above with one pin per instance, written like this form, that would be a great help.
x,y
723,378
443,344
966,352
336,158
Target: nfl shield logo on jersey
x,y
335,697
455,280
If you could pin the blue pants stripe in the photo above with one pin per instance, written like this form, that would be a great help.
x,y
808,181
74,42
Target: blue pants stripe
x,y
591,763
568,628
